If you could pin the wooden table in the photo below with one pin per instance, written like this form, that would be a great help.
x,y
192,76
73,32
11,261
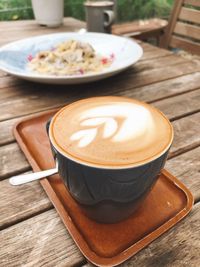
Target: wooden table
x,y
32,233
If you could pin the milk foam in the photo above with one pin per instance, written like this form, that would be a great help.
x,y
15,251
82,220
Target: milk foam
x,y
110,132
136,121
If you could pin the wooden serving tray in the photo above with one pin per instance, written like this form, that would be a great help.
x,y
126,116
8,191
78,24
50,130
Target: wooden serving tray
x,y
104,244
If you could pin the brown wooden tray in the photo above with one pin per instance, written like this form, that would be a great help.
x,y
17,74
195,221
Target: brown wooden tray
x,y
104,244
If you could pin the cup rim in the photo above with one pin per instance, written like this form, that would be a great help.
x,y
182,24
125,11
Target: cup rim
x,y
110,166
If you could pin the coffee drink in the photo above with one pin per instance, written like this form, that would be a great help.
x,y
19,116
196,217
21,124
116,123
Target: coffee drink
x,y
111,132
110,151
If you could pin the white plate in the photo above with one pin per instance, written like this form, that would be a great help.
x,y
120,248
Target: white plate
x,y
14,56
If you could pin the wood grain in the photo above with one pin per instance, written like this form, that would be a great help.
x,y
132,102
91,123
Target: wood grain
x,y
14,91
187,168
149,52
186,134
31,28
12,161
185,138
37,237
187,30
148,93
8,92
164,89
182,43
9,81
160,62
39,241
179,247
23,237
137,26
174,107
6,134
35,98
155,54
180,105
189,14
21,202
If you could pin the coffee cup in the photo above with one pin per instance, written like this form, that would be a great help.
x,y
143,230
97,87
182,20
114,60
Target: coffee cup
x,y
99,16
110,151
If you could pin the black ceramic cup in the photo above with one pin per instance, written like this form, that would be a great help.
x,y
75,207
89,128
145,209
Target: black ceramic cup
x,y
108,195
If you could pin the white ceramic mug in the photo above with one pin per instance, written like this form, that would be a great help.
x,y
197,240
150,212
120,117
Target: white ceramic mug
x,y
99,16
48,12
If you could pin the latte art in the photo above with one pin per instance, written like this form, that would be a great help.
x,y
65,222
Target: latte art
x,y
135,121
111,132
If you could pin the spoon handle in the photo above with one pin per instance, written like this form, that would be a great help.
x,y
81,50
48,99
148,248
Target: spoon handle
x,y
25,178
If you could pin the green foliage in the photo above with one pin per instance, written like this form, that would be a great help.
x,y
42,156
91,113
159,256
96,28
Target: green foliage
x,y
15,9
142,9
127,9
75,8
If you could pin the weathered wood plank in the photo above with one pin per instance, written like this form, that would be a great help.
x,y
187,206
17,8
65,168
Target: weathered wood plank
x,y
6,135
43,241
189,14
179,247
12,160
138,27
9,81
9,92
33,99
186,134
148,93
8,30
187,30
173,107
180,105
23,237
185,44
160,62
184,140
163,72
18,203
28,28
146,46
39,241
12,91
187,168
150,54
164,89
10,86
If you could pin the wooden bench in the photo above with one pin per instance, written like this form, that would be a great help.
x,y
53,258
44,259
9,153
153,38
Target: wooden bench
x,y
183,30
141,29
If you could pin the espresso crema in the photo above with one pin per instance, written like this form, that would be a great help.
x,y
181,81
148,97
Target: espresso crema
x,y
111,132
